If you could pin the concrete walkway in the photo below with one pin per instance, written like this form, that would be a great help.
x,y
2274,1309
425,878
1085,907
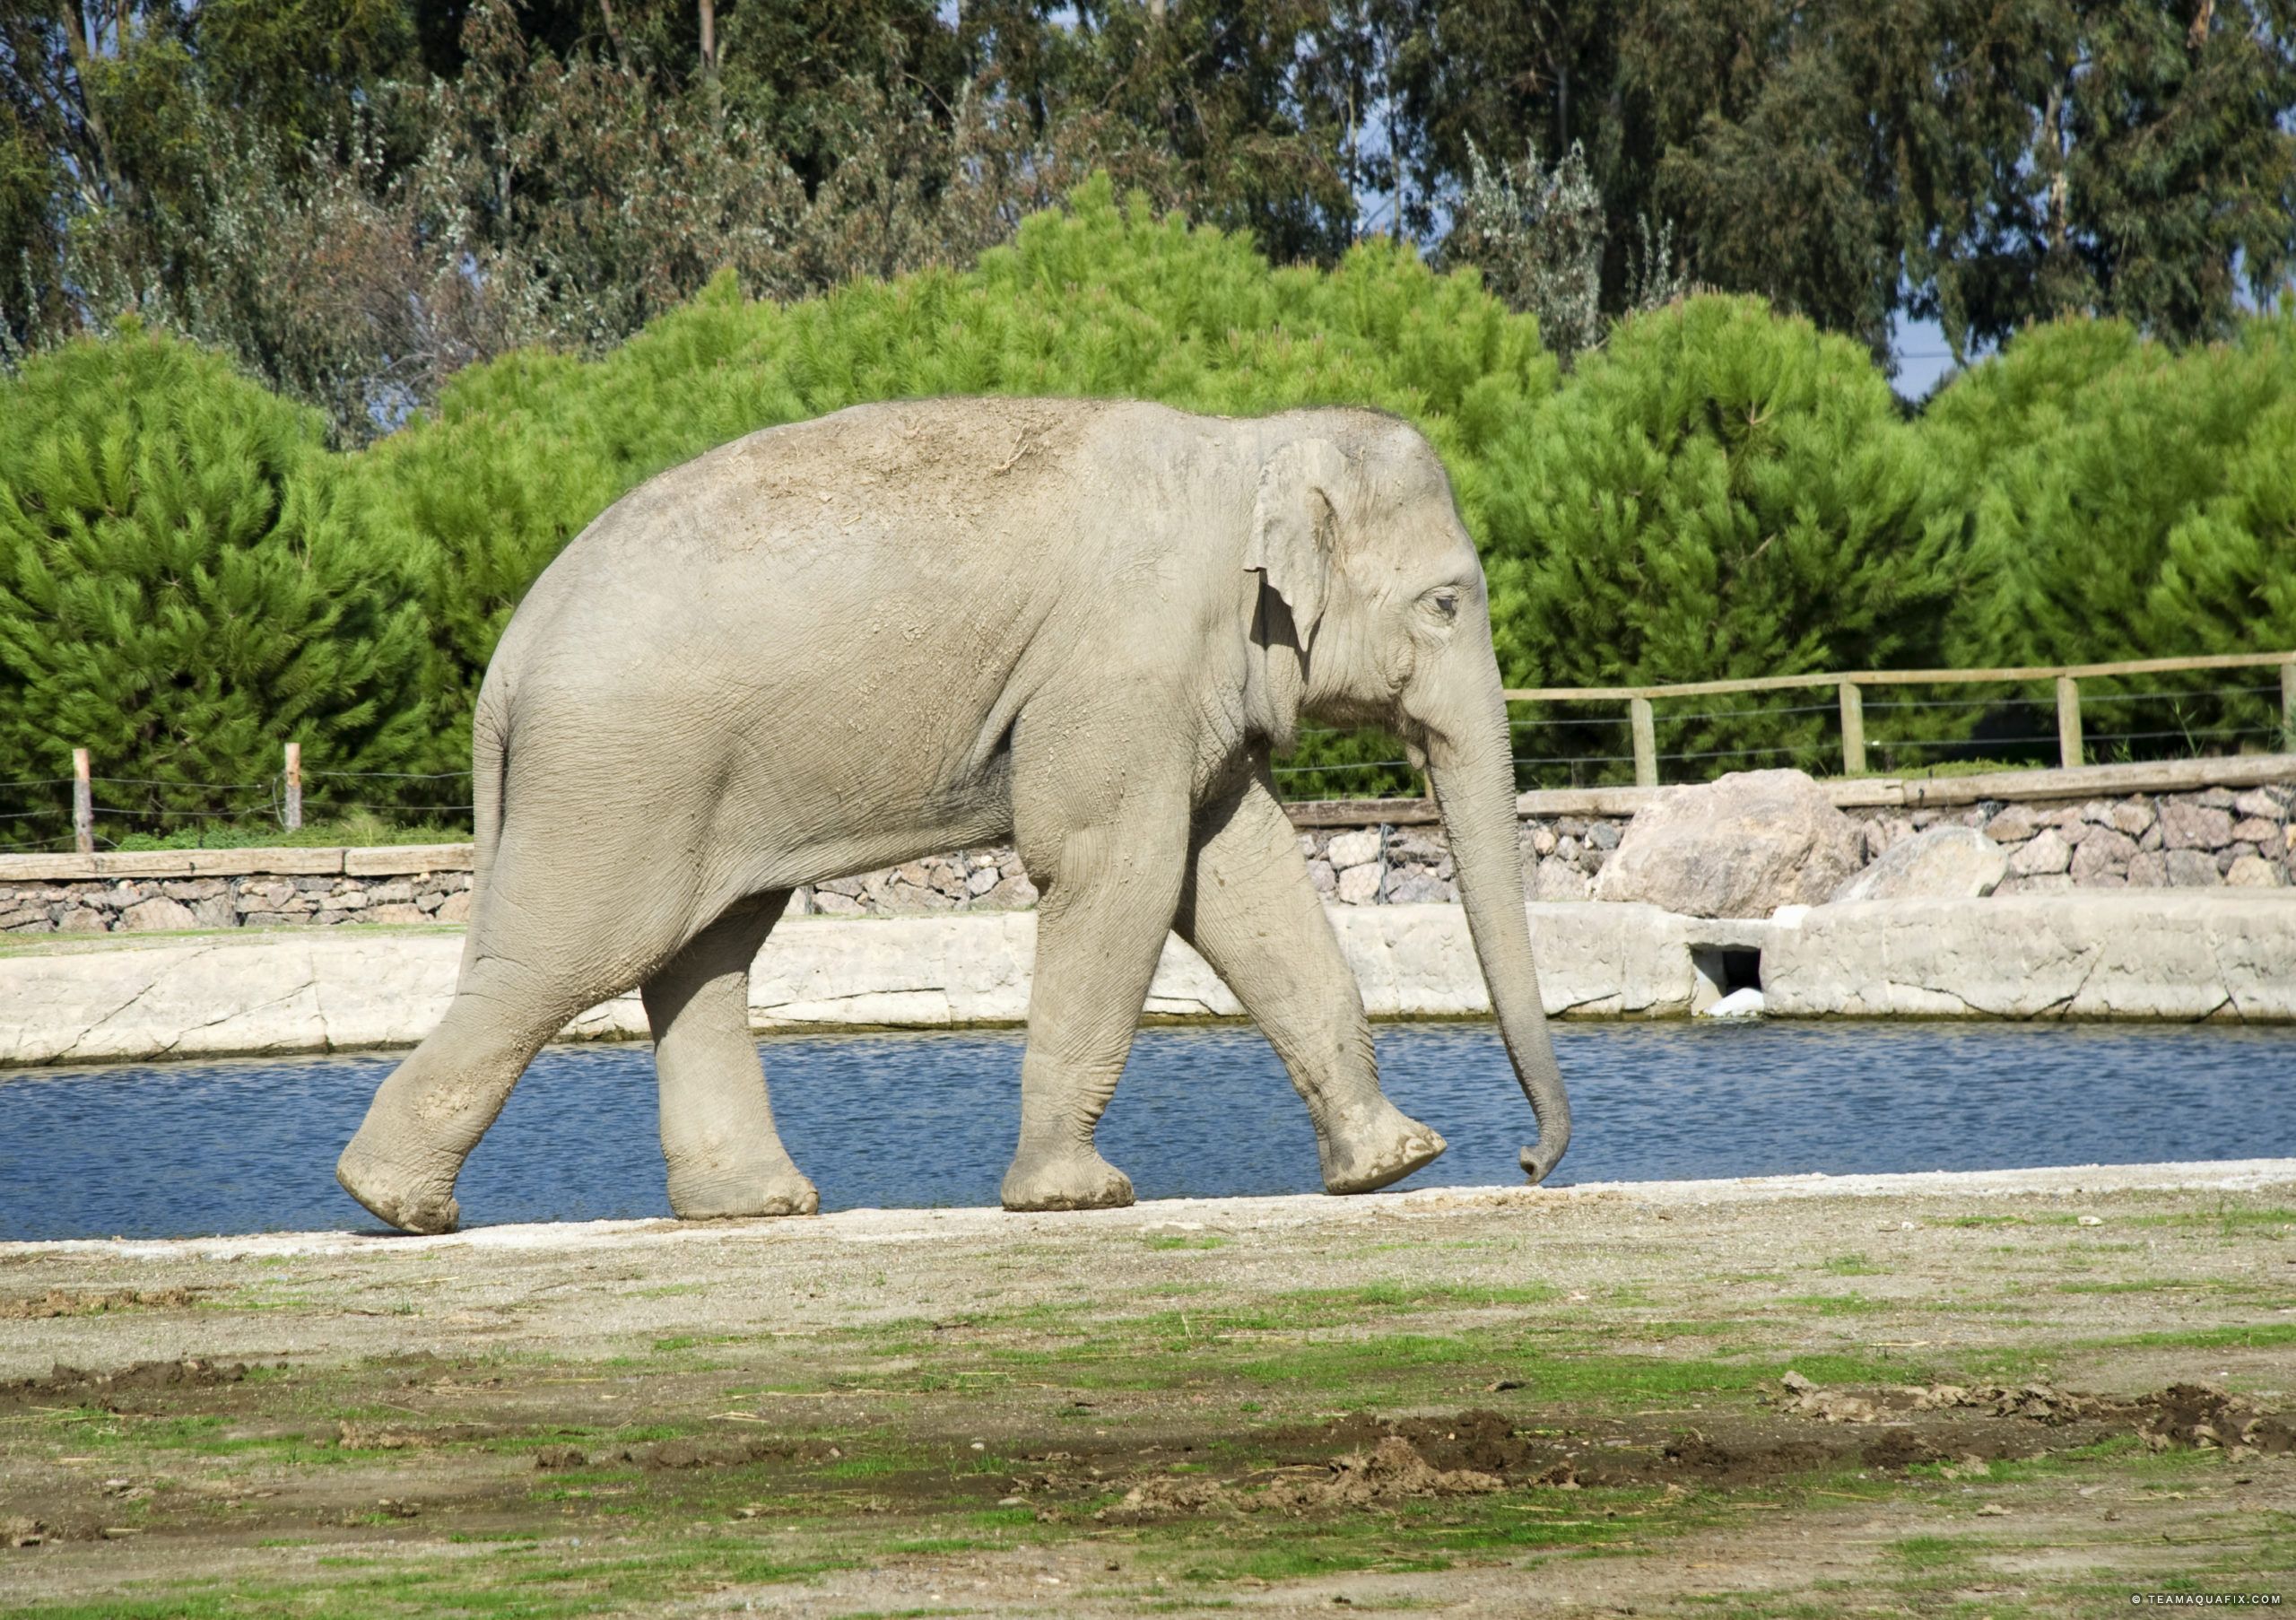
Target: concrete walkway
x,y
2135,953
1198,1214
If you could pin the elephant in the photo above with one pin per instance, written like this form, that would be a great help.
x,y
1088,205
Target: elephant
x,y
1084,627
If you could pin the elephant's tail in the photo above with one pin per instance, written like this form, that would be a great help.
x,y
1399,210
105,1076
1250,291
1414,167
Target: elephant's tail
x,y
490,750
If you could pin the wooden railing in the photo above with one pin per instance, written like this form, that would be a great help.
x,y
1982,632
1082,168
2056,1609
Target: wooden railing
x,y
1642,720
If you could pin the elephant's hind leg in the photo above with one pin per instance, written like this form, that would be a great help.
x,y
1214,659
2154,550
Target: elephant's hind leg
x,y
725,1158
1252,913
435,1106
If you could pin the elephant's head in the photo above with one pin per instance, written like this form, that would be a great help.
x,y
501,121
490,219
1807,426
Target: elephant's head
x,y
1371,609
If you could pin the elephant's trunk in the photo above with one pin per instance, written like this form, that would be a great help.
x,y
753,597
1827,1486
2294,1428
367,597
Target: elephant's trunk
x,y
1473,778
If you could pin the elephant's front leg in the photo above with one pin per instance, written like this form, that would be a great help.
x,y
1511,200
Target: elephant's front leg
x,y
1110,879
1251,912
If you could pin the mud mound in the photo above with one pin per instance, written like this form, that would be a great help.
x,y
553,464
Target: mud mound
x,y
1163,1498
702,1453
2188,1415
1748,1462
2196,1416
1392,1471
57,1303
77,1382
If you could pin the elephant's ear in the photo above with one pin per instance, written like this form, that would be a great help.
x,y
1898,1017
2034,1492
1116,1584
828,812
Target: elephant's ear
x,y
1293,523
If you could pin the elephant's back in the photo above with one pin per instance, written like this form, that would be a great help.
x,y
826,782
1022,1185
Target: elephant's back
x,y
917,472
927,531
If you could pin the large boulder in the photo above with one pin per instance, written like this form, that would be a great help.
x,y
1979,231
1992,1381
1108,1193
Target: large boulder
x,y
1943,863
1743,846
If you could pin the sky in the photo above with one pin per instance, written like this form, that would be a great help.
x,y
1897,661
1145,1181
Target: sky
x,y
1922,357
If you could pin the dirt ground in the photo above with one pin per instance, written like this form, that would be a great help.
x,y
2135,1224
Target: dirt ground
x,y
1924,1396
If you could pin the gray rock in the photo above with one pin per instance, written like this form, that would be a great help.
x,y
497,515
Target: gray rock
x,y
1418,888
2254,830
2132,816
1353,850
2014,825
1013,893
2259,803
1319,873
1541,838
2192,870
2186,824
981,880
2104,855
2253,872
1556,879
2148,869
2215,799
2044,853
1943,862
1743,846
82,920
1359,886
455,908
1604,835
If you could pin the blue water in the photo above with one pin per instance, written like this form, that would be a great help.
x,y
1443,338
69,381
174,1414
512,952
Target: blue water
x,y
148,1150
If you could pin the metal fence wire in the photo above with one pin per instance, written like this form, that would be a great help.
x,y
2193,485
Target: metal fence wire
x,y
1929,721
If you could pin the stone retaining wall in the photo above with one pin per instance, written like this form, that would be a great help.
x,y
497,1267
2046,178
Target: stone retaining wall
x,y
2204,838
130,904
2229,955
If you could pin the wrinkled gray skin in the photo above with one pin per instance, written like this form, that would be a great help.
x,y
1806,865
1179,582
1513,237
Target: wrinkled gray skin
x,y
839,645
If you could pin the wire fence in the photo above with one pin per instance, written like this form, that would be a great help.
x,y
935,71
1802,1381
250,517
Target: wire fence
x,y
1914,723
88,811
1919,722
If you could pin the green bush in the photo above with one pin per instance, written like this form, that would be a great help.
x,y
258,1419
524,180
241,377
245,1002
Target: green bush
x,y
2129,501
181,593
1719,493
187,579
1102,298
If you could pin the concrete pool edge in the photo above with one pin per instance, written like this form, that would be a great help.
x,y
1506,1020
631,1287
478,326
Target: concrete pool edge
x,y
2165,954
1202,1214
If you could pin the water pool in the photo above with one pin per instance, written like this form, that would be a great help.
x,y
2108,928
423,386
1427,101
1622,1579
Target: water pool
x,y
144,1150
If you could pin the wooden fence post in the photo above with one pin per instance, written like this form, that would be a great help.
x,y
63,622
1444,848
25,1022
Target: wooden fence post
x,y
2288,706
83,805
1853,730
2068,720
1645,743
293,816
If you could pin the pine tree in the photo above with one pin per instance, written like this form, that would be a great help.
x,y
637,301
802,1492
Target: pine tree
x,y
182,591
2126,501
1720,492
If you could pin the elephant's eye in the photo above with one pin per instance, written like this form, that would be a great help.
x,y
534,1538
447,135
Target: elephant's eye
x,y
1446,603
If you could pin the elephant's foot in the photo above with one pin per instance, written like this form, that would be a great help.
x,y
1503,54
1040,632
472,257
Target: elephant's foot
x,y
774,1186
411,1199
1072,1180
1370,1151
